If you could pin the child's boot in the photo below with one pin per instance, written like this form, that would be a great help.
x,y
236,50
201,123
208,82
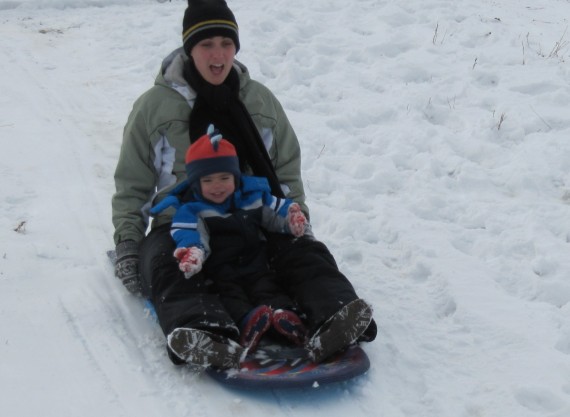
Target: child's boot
x,y
254,325
290,325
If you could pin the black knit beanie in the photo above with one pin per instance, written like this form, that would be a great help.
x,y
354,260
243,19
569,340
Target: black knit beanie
x,y
206,19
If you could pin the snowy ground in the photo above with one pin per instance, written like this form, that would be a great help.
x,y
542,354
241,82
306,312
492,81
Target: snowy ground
x,y
436,156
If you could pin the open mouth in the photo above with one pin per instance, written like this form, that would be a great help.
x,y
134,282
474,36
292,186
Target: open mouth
x,y
217,69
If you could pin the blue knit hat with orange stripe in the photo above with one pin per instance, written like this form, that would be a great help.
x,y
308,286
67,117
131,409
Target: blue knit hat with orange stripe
x,y
205,19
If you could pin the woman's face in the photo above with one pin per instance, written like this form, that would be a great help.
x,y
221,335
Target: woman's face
x,y
214,58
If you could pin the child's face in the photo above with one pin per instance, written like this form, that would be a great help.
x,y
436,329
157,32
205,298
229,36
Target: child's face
x,y
217,187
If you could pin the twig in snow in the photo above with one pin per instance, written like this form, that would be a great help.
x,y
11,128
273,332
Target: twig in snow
x,y
501,120
435,33
21,228
558,46
540,117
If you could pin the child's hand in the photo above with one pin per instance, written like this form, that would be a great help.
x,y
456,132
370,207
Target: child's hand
x,y
189,260
296,220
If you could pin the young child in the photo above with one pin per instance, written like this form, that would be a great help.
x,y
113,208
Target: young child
x,y
219,218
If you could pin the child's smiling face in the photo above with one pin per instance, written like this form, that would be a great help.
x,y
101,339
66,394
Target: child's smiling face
x,y
217,187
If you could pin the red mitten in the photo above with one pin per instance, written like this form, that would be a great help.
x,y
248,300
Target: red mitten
x,y
296,220
189,260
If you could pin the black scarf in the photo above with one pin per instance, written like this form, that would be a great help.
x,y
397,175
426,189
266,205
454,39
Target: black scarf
x,y
220,105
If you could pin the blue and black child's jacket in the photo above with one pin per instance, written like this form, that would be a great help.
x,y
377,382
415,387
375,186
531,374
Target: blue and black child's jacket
x,y
232,237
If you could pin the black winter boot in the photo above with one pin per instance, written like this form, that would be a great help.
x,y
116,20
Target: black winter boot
x,y
341,330
201,348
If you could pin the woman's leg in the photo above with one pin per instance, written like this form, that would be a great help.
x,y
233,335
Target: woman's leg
x,y
309,272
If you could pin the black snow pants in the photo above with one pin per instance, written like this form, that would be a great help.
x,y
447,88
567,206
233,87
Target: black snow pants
x,y
179,302
305,269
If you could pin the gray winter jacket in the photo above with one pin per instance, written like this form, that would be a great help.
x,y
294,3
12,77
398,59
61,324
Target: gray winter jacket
x,y
156,137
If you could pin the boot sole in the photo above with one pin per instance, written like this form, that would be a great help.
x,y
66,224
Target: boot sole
x,y
340,331
201,348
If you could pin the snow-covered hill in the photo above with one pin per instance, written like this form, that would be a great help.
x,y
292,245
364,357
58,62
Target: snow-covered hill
x,y
436,156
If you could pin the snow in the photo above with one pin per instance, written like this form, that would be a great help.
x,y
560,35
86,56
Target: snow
x,y
436,156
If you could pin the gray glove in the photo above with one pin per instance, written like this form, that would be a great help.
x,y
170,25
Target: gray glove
x,y
127,265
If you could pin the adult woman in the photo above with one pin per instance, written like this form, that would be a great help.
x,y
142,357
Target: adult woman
x,y
198,85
